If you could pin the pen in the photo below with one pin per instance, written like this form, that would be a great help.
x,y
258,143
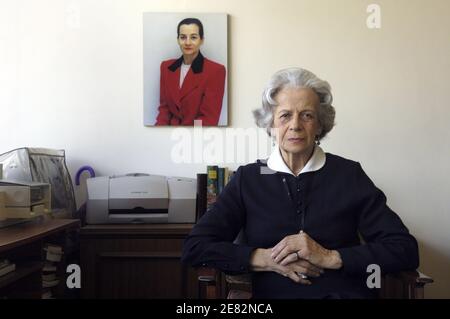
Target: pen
x,y
287,188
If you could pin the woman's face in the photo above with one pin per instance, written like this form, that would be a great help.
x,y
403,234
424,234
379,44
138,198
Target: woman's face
x,y
189,39
296,120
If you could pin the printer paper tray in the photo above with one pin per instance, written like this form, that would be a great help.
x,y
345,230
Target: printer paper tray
x,y
139,211
140,217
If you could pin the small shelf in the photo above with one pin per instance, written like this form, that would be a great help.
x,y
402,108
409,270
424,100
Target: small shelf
x,y
23,244
22,270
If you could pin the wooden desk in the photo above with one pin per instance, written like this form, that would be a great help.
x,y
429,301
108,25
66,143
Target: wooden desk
x,y
23,245
135,261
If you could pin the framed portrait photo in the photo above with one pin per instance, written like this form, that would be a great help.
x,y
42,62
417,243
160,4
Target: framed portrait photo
x,y
185,69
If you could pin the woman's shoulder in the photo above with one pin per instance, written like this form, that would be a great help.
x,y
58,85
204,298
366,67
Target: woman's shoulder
x,y
212,64
167,63
336,161
256,168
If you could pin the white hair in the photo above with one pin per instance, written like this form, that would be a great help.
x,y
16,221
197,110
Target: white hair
x,y
297,78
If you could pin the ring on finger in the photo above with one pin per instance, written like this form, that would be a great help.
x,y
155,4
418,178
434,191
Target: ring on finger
x,y
303,276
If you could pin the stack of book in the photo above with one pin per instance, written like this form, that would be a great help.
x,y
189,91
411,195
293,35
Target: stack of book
x,y
6,267
210,185
50,279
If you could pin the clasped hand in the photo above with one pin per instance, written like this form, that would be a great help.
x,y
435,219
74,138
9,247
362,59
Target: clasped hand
x,y
304,256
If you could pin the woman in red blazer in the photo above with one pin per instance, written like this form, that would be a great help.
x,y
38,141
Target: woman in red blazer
x,y
192,86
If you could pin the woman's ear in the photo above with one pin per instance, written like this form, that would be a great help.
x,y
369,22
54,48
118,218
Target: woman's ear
x,y
319,131
274,135
273,132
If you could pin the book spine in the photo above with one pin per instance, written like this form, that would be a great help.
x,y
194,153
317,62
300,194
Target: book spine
x,y
201,195
220,180
7,269
211,185
226,176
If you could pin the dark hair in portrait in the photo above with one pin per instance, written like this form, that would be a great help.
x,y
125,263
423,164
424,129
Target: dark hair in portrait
x,y
191,21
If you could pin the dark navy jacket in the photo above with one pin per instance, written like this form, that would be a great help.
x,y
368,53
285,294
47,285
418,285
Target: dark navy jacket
x,y
333,205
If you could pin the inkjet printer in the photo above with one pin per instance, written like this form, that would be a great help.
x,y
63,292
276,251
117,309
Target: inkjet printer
x,y
140,198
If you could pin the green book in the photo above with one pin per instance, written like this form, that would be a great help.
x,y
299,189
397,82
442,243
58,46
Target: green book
x,y
212,185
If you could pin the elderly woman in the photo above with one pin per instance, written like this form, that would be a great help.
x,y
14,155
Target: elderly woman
x,y
302,211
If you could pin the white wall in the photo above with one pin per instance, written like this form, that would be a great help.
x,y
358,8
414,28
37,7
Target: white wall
x,y
75,82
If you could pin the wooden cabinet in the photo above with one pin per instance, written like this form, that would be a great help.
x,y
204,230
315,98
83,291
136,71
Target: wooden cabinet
x,y
135,261
23,245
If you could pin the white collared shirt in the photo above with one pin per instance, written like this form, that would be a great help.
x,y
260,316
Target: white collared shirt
x,y
183,72
316,162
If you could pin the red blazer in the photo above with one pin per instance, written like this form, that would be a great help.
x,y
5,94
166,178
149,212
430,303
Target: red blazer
x,y
200,97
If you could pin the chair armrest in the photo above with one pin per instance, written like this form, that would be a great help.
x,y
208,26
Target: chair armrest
x,y
213,284
410,285
207,275
413,278
209,283
405,285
